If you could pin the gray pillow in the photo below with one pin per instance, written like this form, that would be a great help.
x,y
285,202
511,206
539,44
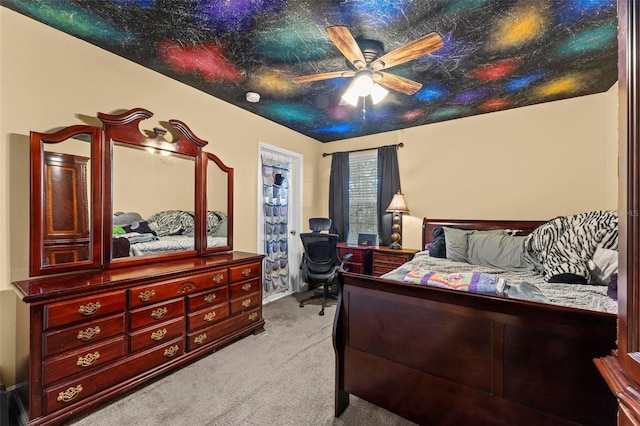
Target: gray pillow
x,y
498,250
456,243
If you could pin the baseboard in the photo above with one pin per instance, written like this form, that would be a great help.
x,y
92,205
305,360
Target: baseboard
x,y
13,411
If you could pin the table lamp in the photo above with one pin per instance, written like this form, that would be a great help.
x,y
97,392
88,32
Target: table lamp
x,y
398,205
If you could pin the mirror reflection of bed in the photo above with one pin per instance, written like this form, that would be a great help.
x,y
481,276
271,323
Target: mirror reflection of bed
x,y
153,203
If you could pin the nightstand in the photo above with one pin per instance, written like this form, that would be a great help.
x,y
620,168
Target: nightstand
x,y
360,263
386,259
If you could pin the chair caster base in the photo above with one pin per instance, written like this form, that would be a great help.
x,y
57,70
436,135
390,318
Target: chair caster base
x,y
301,305
321,313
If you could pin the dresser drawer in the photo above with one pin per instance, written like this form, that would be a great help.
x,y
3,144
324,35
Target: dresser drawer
x,y
83,334
155,335
244,272
242,289
198,301
156,313
82,309
398,259
72,391
156,292
82,360
217,331
381,269
208,316
245,303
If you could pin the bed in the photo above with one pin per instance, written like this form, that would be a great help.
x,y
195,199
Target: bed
x,y
443,357
163,232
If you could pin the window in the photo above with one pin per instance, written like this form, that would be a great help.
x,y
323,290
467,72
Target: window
x,y
363,195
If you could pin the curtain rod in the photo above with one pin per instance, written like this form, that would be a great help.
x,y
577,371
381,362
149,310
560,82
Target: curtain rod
x,y
397,145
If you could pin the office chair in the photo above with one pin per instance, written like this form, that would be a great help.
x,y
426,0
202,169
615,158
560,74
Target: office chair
x,y
320,262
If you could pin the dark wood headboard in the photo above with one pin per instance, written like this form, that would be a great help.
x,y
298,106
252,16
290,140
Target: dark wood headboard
x,y
524,227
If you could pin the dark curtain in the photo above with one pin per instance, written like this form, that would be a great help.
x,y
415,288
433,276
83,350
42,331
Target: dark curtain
x,y
339,195
388,185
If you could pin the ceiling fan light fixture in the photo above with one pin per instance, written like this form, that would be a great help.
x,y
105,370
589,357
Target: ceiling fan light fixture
x,y
363,83
378,93
351,97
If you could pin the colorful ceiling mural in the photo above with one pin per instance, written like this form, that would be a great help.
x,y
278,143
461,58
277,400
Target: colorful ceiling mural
x,y
497,54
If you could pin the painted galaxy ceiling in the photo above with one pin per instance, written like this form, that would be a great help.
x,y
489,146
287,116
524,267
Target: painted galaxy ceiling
x,y
497,54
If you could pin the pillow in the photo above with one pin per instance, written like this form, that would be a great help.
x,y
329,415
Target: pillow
x,y
221,230
456,243
498,250
438,247
602,265
122,219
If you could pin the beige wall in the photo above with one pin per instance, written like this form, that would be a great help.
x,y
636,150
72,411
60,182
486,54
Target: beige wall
x,y
536,162
530,163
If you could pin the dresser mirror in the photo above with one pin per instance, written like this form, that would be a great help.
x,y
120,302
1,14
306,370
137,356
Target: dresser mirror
x,y
65,214
119,195
153,202
219,202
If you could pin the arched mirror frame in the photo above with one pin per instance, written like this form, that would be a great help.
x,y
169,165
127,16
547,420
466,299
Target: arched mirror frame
x,y
205,175
123,129
37,262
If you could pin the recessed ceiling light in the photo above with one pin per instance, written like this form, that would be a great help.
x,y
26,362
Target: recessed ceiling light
x,y
253,97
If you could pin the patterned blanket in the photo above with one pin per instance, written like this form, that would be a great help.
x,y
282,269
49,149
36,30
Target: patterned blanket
x,y
472,282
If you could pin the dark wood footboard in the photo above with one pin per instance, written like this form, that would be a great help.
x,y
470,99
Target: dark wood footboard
x,y
441,357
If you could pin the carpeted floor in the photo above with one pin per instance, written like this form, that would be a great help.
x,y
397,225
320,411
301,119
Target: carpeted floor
x,y
283,376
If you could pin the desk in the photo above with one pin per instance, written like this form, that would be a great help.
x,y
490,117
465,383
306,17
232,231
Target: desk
x,y
360,263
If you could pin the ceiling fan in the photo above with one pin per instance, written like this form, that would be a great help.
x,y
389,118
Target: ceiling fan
x,y
366,60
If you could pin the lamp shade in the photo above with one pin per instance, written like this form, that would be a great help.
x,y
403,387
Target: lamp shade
x,y
398,203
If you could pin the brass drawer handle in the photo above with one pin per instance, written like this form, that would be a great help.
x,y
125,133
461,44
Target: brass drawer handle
x,y
88,359
159,334
89,308
159,313
210,316
88,334
246,287
171,351
217,278
200,339
253,316
145,296
70,393
246,272
210,298
246,303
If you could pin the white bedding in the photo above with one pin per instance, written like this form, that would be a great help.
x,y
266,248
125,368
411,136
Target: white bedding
x,y
171,243
590,297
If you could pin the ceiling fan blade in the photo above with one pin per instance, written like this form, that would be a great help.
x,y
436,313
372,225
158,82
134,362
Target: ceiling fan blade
x,y
344,41
412,50
322,76
397,83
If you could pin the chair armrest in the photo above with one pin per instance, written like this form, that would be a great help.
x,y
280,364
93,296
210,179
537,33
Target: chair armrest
x,y
344,260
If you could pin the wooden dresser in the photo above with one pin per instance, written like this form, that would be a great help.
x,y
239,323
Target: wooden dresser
x,y
96,335
360,263
386,259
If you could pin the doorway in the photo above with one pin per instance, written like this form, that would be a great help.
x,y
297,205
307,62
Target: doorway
x,y
279,219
